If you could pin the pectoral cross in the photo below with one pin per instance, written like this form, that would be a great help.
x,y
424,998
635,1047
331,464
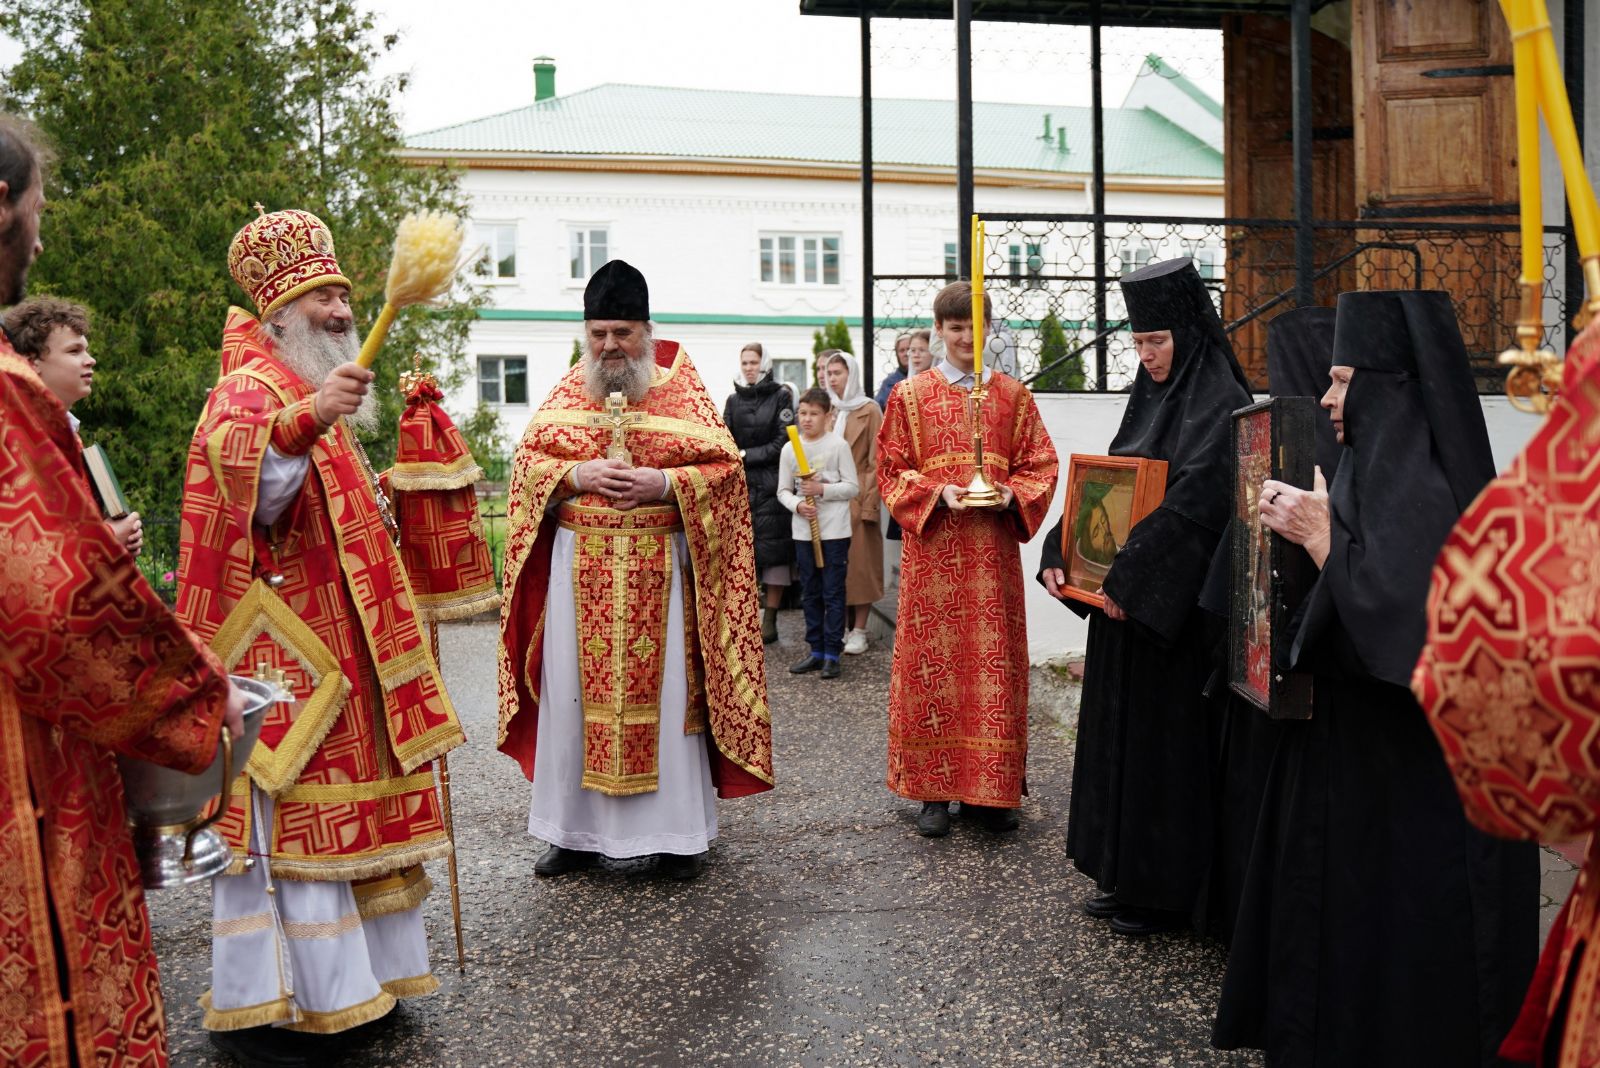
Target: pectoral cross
x,y
618,418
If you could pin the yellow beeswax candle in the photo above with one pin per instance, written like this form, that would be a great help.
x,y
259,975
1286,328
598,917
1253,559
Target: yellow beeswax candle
x,y
977,299
799,453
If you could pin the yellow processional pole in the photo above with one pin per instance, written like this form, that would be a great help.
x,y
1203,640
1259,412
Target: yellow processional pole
x,y
1535,375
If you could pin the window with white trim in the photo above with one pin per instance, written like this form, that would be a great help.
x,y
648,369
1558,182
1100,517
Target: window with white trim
x,y
588,250
1209,261
503,379
800,259
952,261
499,244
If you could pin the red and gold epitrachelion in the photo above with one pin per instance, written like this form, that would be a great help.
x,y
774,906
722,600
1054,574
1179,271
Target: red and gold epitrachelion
x,y
622,575
347,762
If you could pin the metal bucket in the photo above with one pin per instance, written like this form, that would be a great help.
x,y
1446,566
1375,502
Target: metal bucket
x,y
176,845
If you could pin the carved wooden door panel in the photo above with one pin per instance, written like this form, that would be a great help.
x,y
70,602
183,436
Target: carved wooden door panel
x,y
1436,140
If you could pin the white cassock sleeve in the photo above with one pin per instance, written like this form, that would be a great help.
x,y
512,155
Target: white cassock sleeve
x,y
281,479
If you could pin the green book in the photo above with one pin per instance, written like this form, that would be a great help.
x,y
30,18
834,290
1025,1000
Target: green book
x,y
103,480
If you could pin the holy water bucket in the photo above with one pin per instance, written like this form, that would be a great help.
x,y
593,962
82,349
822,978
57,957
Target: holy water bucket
x,y
175,844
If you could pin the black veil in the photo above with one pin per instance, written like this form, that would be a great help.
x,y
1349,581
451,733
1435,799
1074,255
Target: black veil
x,y
1417,453
1158,573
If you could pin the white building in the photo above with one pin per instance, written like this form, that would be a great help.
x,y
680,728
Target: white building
x,y
743,210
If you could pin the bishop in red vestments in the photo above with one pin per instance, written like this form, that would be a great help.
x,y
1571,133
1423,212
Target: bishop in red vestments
x,y
288,558
958,695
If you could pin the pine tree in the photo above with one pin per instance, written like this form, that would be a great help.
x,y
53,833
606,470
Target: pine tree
x,y
836,335
169,119
1065,376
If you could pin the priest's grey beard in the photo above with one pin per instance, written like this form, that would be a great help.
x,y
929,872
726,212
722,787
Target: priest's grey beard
x,y
632,381
313,353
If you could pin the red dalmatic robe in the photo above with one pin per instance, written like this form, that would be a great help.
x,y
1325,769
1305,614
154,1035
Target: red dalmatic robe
x,y
958,695
91,664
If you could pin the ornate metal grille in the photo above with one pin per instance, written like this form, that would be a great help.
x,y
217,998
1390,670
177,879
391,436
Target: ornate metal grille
x,y
1039,268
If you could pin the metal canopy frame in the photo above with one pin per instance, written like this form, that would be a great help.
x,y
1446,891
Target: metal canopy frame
x,y
1096,14
1176,14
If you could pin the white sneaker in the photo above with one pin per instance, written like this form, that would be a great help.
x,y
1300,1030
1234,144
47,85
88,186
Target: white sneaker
x,y
855,641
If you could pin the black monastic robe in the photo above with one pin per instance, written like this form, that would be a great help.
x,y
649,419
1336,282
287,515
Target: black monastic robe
x,y
1377,927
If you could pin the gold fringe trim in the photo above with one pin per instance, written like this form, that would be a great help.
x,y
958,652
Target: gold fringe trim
x,y
400,893
262,1015
349,869
431,746
322,711
331,1023
416,987
442,608
412,477
405,667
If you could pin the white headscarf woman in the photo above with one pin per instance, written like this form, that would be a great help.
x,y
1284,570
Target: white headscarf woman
x,y
765,368
853,396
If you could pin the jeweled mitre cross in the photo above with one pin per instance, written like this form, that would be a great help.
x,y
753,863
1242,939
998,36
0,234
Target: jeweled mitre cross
x,y
618,418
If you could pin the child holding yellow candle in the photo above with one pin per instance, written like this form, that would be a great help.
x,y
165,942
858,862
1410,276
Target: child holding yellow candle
x,y
823,496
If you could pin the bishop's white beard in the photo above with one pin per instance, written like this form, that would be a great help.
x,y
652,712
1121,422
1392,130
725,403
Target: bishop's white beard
x,y
312,354
632,380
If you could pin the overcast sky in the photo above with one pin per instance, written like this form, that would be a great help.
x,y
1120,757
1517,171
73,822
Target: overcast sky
x,y
470,58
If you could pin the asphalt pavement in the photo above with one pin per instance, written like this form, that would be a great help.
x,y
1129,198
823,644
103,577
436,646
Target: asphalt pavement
x,y
823,932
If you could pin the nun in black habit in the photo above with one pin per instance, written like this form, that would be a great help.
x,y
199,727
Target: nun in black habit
x,y
1377,927
1140,821
1299,353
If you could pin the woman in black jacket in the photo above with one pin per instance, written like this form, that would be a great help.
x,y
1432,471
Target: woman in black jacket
x,y
757,413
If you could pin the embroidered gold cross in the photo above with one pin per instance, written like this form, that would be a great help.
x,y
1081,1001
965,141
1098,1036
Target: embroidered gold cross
x,y
618,418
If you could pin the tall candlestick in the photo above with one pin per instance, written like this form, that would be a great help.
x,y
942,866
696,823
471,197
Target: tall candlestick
x,y
977,298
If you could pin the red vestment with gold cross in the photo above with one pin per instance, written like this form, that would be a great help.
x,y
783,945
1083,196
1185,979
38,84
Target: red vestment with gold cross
x,y
624,578
91,664
347,763
958,692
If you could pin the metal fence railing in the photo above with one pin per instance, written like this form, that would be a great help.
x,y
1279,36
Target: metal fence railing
x,y
1040,272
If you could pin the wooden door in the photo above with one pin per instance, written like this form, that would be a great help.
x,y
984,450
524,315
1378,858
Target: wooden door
x,y
1436,147
1259,159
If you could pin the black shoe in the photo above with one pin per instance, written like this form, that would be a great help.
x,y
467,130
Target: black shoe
x,y
769,626
1103,907
830,669
810,663
934,820
559,861
1142,923
994,819
262,1047
679,866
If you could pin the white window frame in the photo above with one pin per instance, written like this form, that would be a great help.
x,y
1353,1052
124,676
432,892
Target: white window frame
x,y
809,251
574,230
485,232
1212,262
500,379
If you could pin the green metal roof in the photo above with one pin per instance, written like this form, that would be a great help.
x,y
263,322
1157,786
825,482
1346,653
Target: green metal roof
x,y
651,121
1160,68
